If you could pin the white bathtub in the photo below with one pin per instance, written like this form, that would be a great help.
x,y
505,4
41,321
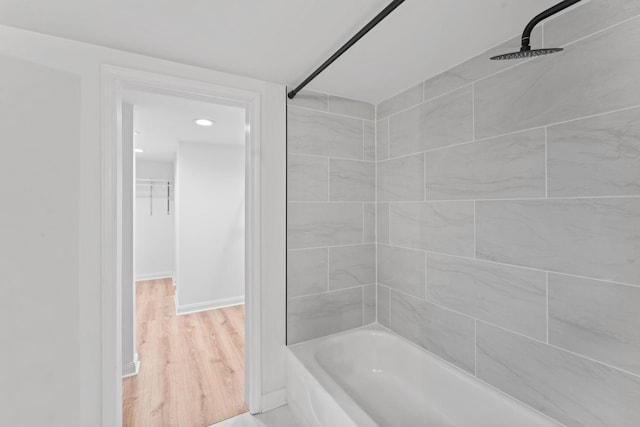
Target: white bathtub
x,y
371,377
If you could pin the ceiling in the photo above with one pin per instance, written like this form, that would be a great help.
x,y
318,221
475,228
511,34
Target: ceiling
x,y
284,40
162,121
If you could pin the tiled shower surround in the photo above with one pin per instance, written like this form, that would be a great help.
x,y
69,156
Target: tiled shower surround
x,y
507,218
331,272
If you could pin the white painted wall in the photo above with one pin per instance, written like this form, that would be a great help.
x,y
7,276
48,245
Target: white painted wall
x,y
210,240
40,176
151,169
51,230
154,226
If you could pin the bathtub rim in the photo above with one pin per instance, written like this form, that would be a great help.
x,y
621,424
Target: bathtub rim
x,y
306,347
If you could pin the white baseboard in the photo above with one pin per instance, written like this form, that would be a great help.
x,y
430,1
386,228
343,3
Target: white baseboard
x,y
132,368
206,305
274,399
153,276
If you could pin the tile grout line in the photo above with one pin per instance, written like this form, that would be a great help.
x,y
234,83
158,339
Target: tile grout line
x,y
473,111
515,199
330,291
389,305
326,247
328,270
363,157
362,212
362,294
516,266
546,163
547,292
486,138
388,138
329,179
602,30
475,233
582,356
426,278
350,159
299,107
475,347
375,210
424,176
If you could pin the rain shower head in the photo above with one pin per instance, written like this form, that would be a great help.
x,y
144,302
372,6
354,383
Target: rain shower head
x,y
525,50
531,53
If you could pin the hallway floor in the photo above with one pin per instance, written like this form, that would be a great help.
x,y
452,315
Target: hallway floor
x,y
191,366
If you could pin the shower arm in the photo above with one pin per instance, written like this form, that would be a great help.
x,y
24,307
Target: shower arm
x,y
526,34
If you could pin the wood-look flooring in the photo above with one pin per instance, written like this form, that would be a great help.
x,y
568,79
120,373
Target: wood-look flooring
x,y
191,366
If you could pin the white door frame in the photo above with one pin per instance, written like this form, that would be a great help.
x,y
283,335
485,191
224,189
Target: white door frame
x,y
114,80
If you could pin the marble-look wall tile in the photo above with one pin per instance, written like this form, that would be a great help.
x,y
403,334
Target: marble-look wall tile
x,y
401,101
369,218
323,224
401,179
369,295
351,107
323,314
352,266
573,390
586,18
382,222
369,140
596,156
402,269
511,297
434,226
600,320
382,139
352,180
594,75
445,333
382,307
307,178
306,272
437,123
309,99
511,166
323,134
598,238
477,67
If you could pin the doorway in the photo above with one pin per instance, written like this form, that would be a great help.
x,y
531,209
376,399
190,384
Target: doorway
x,y
116,81
183,260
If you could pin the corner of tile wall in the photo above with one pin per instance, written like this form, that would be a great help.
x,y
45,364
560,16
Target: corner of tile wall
x,y
330,215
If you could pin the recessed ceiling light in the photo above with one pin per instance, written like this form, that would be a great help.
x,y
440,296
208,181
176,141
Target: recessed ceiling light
x,y
203,122
139,150
136,132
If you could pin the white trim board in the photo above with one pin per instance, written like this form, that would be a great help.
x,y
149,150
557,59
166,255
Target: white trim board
x,y
154,276
274,399
206,305
131,369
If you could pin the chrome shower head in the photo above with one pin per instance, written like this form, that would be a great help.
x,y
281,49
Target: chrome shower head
x,y
526,53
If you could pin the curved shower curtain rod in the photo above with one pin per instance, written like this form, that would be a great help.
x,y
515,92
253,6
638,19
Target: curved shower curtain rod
x,y
375,21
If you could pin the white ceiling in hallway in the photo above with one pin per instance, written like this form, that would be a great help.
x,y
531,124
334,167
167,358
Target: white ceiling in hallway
x,y
284,40
162,121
